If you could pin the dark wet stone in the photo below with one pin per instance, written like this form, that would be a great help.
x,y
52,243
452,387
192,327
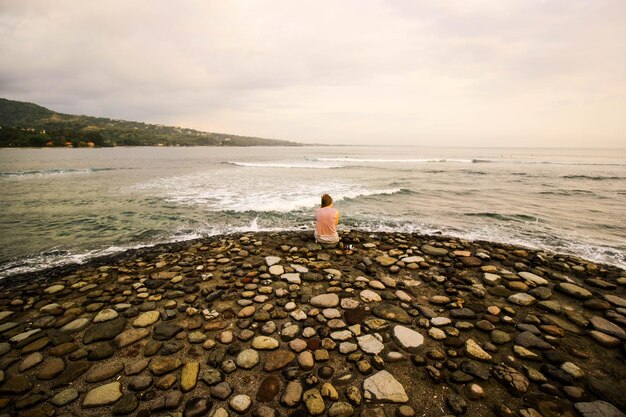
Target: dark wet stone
x,y
170,401
598,409
609,390
153,284
140,383
169,348
197,407
16,385
530,341
476,369
500,291
211,376
392,312
152,348
101,351
104,371
104,331
71,373
166,331
51,368
221,391
470,261
278,360
126,405
63,349
462,313
268,389
354,316
514,381
456,404
557,374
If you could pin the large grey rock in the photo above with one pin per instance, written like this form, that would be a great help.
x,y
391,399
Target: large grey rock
x,y
573,291
407,339
598,409
433,251
383,387
603,325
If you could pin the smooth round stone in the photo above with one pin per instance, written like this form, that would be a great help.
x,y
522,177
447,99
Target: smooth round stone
x,y
64,397
196,337
297,345
30,361
498,337
440,321
349,303
369,296
290,306
146,319
246,312
105,315
377,285
104,371
408,339
573,291
298,315
314,402
371,343
436,333
265,343
494,310
240,403
309,332
53,289
522,299
75,325
260,298
276,270
476,352
292,394
306,360
51,368
225,337
347,347
439,300
247,359
325,300
474,391
103,395
189,376
405,411
268,389
331,313
271,260
535,279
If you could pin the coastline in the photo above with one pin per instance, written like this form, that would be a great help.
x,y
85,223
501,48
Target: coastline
x,y
464,327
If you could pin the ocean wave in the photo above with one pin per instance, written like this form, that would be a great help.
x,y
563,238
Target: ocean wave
x,y
52,172
403,160
505,217
591,177
308,165
281,201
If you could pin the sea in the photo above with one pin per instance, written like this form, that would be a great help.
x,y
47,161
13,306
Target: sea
x,y
60,206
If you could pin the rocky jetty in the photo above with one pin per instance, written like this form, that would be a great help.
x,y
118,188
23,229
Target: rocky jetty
x,y
272,324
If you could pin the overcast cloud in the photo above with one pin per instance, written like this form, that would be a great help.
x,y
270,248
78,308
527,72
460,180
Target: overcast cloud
x,y
455,73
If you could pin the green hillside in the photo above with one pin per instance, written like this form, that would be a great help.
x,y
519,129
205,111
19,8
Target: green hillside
x,y
29,125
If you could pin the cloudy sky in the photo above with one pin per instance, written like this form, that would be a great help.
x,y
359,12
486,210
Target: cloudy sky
x,y
452,73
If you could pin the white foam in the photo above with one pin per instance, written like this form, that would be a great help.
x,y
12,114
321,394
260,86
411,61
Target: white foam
x,y
286,165
404,160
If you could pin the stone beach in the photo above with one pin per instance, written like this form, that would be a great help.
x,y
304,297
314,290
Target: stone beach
x,y
272,324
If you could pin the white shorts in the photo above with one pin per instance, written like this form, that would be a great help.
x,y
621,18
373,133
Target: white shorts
x,y
326,239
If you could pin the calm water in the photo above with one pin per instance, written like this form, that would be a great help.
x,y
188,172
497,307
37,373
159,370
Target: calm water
x,y
66,205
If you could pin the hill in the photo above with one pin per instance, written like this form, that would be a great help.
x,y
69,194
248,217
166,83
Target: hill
x,y
30,125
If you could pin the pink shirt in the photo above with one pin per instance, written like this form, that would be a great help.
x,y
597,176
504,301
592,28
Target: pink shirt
x,y
326,224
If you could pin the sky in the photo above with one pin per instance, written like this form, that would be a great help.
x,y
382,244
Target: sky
x,y
446,73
